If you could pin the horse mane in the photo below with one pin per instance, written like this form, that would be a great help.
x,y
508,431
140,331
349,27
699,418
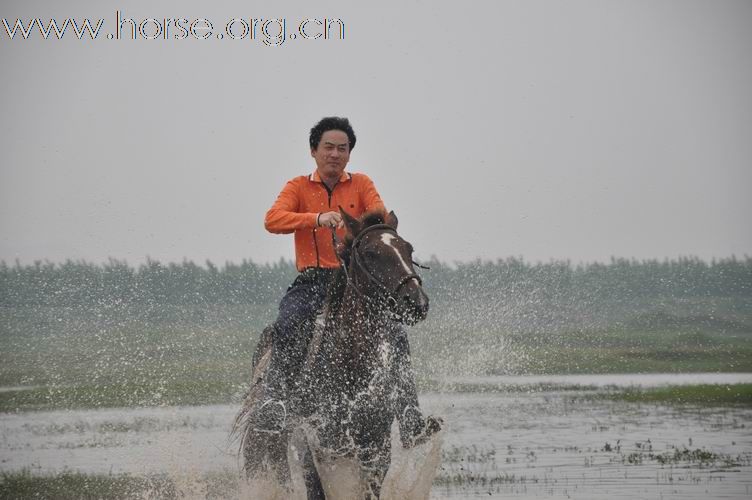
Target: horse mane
x,y
336,293
339,281
368,219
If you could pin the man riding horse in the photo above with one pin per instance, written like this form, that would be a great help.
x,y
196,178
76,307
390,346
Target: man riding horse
x,y
308,205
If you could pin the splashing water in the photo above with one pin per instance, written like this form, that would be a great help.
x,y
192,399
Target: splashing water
x,y
412,471
410,475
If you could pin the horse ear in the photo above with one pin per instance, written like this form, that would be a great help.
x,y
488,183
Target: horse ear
x,y
391,219
352,224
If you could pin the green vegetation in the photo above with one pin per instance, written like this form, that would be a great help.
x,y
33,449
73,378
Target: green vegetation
x,y
616,350
85,335
74,485
465,469
88,361
154,284
704,394
94,358
483,470
125,395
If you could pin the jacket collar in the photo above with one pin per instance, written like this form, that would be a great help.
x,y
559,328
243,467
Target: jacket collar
x,y
315,177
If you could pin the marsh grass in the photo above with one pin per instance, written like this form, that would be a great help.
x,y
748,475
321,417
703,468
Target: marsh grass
x,y
126,356
698,457
491,387
57,358
74,485
624,349
465,470
131,394
699,395
486,470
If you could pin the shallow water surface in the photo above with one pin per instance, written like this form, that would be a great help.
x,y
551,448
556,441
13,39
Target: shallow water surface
x,y
562,445
538,444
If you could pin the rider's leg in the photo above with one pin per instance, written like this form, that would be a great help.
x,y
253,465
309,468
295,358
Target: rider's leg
x,y
297,309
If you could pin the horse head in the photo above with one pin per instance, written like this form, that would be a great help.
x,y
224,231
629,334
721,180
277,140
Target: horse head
x,y
381,266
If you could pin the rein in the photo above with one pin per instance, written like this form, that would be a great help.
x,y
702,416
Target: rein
x,y
357,261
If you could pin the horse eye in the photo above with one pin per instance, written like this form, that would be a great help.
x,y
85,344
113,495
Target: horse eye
x,y
370,252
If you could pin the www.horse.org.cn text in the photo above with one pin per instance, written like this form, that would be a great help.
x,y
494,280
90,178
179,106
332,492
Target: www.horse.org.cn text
x,y
270,32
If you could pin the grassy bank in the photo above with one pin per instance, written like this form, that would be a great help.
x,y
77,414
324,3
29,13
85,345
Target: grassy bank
x,y
62,358
703,394
175,393
56,358
608,350
74,485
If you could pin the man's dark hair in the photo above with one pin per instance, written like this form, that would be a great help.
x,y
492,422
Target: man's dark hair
x,y
331,123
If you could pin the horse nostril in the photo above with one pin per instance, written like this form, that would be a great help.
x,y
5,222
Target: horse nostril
x,y
424,302
419,303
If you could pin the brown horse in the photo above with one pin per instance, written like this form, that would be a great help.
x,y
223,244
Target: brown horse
x,y
349,390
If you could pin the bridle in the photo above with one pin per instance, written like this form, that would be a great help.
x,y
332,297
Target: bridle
x,y
357,262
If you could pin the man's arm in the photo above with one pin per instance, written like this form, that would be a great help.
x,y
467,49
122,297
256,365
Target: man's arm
x,y
371,198
284,217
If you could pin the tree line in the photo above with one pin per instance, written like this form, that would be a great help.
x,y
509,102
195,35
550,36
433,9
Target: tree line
x,y
79,283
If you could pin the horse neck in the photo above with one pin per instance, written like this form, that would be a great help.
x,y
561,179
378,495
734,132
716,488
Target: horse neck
x,y
360,322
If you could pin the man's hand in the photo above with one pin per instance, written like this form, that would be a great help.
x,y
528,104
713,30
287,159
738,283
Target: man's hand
x,y
330,219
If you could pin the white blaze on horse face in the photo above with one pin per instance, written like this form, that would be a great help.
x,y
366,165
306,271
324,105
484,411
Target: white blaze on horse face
x,y
387,239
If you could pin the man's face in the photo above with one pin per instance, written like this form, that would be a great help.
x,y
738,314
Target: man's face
x,y
332,154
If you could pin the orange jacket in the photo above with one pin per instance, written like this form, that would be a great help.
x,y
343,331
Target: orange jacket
x,y
304,198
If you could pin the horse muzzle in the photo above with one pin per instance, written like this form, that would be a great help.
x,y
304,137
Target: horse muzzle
x,y
411,303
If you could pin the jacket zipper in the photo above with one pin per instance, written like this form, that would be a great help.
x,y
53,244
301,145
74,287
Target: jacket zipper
x,y
315,241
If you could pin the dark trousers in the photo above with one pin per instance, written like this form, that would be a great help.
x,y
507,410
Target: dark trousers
x,y
297,312
294,328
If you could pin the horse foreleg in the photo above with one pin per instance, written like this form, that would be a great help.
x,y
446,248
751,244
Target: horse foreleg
x,y
314,488
376,461
265,456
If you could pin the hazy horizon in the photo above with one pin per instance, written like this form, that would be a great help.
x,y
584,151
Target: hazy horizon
x,y
135,263
543,130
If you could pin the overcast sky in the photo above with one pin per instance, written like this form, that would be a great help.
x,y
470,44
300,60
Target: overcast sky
x,y
543,129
